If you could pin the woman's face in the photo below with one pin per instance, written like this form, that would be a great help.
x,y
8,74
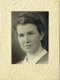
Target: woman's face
x,y
28,37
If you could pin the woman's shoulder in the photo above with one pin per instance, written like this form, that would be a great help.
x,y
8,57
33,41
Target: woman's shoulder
x,y
44,59
20,62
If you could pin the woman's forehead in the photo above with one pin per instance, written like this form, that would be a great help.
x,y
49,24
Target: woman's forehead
x,y
26,28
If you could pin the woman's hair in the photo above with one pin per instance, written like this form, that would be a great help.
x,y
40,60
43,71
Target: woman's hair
x,y
32,18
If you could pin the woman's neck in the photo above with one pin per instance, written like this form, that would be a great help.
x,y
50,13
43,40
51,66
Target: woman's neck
x,y
33,55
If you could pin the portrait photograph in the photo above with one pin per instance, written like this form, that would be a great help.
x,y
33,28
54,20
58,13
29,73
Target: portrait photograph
x,y
30,37
29,40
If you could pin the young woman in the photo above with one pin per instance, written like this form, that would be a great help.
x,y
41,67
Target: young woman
x,y
31,31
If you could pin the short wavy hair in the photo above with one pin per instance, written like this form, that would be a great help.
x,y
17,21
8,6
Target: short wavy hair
x,y
32,18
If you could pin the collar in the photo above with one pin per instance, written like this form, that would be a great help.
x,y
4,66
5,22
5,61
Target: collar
x,y
36,59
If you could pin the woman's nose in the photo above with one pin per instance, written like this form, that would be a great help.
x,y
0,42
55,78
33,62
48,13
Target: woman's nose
x,y
26,39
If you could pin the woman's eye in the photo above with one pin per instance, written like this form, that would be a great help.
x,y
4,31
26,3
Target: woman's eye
x,y
21,35
30,33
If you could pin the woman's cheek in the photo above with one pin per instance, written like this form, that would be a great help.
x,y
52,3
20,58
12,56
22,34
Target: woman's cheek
x,y
20,41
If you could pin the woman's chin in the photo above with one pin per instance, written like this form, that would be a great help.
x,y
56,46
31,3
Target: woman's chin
x,y
29,51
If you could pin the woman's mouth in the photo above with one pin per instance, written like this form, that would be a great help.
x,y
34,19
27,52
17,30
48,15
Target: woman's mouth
x,y
27,46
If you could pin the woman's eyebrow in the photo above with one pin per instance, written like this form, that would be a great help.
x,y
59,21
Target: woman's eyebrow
x,y
27,32
30,32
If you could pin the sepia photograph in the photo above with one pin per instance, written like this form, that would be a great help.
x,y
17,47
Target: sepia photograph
x,y
29,40
29,37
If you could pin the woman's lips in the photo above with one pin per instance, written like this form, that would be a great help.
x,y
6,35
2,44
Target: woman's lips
x,y
28,46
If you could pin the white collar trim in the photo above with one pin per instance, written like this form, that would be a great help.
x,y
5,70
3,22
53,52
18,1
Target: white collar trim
x,y
36,59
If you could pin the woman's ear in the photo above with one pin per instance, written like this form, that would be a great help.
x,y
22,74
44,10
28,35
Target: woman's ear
x,y
41,36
